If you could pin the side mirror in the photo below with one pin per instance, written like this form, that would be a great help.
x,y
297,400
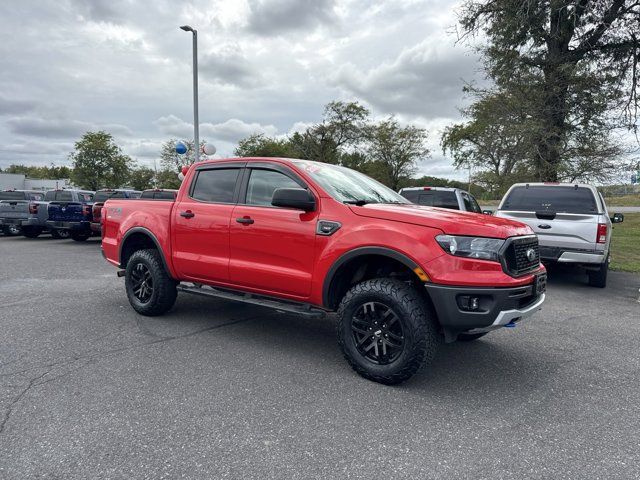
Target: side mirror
x,y
297,198
487,212
617,218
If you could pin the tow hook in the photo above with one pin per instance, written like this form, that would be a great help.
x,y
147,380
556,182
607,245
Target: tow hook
x,y
120,273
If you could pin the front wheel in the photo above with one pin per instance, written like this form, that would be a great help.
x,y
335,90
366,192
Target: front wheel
x,y
150,289
386,330
79,236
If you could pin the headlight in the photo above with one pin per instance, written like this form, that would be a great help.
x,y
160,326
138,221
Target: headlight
x,y
471,247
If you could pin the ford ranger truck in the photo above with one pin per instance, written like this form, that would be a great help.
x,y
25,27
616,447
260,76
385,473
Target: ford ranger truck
x,y
313,238
71,211
15,208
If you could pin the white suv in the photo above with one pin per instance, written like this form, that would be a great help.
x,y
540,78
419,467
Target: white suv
x,y
571,221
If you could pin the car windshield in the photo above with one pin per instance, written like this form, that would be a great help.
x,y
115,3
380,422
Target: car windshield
x,y
346,185
551,198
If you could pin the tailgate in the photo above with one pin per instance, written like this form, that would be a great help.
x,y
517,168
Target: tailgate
x,y
68,212
564,230
14,209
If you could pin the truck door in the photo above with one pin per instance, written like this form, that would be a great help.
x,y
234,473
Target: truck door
x,y
272,248
200,223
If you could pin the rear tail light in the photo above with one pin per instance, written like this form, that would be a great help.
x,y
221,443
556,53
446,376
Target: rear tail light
x,y
602,233
33,208
86,210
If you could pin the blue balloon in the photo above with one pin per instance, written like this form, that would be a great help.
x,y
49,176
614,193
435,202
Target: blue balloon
x,y
181,148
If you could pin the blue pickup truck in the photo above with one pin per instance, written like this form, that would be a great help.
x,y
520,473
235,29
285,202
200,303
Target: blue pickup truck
x,y
71,210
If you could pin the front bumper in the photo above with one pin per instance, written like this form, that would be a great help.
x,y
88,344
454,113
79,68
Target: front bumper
x,y
80,226
497,307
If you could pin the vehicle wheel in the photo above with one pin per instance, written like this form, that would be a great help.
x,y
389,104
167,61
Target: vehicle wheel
x,y
60,234
598,278
470,337
79,236
12,230
31,232
150,290
386,330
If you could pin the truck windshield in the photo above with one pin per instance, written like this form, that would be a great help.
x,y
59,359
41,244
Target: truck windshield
x,y
346,185
551,198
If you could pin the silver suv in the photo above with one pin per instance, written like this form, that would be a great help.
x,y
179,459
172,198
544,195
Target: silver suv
x,y
571,221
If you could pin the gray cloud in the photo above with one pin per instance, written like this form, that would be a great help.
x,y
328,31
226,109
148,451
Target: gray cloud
x,y
272,17
9,106
59,127
228,67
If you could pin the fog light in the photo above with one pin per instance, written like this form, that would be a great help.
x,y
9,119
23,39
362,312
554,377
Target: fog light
x,y
469,303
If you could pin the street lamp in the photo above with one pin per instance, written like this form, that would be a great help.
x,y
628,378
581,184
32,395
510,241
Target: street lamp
x,y
196,123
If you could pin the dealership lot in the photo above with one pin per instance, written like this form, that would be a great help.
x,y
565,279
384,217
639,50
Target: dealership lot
x,y
89,389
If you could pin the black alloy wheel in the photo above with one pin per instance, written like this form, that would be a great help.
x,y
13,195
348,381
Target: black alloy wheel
x,y
142,283
377,332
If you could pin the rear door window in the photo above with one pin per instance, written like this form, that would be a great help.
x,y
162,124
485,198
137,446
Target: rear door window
x,y
215,185
543,198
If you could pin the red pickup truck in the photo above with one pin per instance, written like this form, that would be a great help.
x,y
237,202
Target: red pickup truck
x,y
314,238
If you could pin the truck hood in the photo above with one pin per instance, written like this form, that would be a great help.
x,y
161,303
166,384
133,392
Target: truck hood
x,y
452,222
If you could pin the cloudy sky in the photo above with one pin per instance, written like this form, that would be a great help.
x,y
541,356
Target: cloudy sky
x,y
268,66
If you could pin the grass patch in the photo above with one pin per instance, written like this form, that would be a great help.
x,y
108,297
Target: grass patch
x,y
624,201
625,244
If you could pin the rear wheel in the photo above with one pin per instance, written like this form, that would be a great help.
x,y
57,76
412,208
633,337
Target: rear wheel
x,y
79,236
598,278
386,331
60,233
150,289
31,232
11,230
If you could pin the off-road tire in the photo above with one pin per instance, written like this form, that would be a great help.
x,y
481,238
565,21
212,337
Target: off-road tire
x,y
470,337
598,278
164,291
421,338
11,230
60,234
79,236
31,232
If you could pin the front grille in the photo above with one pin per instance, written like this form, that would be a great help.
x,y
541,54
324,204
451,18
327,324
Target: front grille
x,y
518,258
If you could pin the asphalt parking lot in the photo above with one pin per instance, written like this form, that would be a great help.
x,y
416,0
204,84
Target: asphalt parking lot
x,y
89,389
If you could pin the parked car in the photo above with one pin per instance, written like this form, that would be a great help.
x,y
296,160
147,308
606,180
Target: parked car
x,y
571,221
14,208
159,194
442,197
102,196
70,210
312,238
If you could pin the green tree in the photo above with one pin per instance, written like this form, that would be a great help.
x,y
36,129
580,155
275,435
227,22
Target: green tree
x,y
142,178
52,172
259,145
570,66
98,162
395,150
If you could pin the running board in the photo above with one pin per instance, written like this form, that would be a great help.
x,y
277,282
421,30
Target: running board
x,y
281,305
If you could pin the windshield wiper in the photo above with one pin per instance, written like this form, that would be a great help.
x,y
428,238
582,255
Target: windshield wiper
x,y
358,203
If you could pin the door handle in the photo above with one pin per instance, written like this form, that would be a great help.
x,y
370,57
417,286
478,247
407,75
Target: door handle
x,y
245,220
187,214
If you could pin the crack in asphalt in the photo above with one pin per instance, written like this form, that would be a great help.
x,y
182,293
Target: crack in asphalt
x,y
34,382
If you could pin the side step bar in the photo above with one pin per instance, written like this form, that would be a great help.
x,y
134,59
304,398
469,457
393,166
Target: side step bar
x,y
281,305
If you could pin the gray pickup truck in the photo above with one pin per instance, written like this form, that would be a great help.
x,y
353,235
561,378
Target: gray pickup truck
x,y
571,221
16,206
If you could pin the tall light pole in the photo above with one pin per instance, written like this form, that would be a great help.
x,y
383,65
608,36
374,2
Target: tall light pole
x,y
196,123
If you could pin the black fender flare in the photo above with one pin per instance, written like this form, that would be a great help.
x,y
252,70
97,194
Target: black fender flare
x,y
148,233
355,253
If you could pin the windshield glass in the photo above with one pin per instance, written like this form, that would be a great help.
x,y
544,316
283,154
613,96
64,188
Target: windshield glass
x,y
346,185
